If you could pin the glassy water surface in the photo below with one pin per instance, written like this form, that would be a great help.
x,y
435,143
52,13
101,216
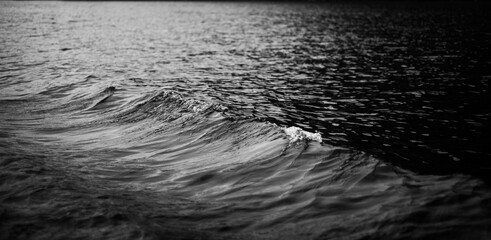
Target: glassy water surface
x,y
246,120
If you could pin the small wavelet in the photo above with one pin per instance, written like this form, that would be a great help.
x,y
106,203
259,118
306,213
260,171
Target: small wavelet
x,y
102,97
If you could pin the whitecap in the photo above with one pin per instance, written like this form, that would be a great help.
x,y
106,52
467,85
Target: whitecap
x,y
296,134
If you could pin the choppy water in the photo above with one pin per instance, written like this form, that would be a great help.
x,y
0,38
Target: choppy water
x,y
244,121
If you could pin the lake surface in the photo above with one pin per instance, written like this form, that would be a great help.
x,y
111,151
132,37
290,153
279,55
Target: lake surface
x,y
202,120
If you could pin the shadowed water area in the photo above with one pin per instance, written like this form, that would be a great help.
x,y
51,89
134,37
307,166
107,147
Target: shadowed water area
x,y
171,120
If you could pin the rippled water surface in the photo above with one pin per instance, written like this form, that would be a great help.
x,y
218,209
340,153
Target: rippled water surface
x,y
125,120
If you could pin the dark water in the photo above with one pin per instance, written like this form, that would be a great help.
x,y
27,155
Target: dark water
x,y
244,120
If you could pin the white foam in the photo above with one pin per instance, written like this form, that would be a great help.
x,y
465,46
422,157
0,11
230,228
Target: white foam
x,y
296,134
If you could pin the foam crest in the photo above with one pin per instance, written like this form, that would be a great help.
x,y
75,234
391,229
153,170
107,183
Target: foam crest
x,y
296,134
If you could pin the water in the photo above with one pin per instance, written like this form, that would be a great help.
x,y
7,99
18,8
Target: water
x,y
123,120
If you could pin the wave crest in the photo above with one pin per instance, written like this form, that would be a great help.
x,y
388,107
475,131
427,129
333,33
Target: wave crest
x,y
174,99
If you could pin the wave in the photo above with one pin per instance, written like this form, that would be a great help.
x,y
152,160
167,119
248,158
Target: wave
x,y
237,175
170,108
185,136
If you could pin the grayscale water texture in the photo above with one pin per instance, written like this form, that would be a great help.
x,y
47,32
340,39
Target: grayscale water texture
x,y
197,120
